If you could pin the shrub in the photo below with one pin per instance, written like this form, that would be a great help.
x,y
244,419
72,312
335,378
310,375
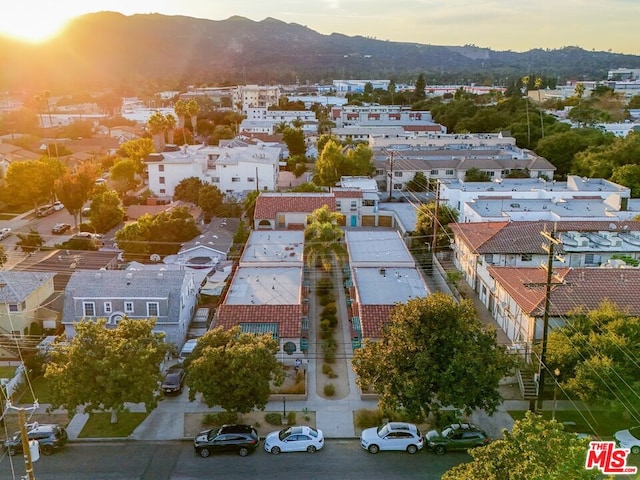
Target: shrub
x,y
329,390
324,286
368,418
326,299
333,321
273,418
442,418
329,309
219,418
326,331
291,418
327,369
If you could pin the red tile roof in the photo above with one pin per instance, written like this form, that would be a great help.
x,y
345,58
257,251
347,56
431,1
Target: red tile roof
x,y
524,237
347,193
373,318
269,205
583,287
288,317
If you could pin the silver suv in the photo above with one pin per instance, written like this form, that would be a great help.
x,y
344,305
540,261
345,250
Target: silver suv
x,y
50,437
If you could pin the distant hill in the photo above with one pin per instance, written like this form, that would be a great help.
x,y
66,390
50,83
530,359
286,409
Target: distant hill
x,y
155,51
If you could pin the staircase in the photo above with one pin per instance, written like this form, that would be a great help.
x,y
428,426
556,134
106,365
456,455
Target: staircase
x,y
528,384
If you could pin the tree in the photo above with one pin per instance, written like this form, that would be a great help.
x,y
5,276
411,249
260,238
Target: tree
x,y
3,256
323,238
599,161
359,162
171,126
424,229
249,204
157,125
536,449
103,368
476,175
629,176
294,138
25,183
434,353
233,369
329,165
180,108
592,352
419,93
192,111
123,174
73,189
188,190
209,200
137,150
418,183
221,132
106,211
29,242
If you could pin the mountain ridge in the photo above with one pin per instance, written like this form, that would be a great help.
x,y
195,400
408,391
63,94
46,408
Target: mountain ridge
x,y
112,50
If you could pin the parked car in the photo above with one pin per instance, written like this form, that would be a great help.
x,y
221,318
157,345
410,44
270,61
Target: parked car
x,y
399,436
44,210
294,439
58,206
173,380
629,438
187,348
4,233
229,438
60,228
457,436
50,437
94,236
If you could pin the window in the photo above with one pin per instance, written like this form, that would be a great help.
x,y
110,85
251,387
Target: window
x,y
397,186
338,205
492,174
153,309
13,307
251,179
107,307
161,168
489,257
162,190
128,307
89,309
449,172
397,174
434,172
161,180
235,179
354,205
526,257
589,258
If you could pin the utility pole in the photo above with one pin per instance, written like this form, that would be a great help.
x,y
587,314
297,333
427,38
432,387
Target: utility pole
x,y
542,368
257,185
436,212
26,450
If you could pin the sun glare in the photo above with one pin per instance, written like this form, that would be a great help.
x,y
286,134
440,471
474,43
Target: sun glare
x,y
31,26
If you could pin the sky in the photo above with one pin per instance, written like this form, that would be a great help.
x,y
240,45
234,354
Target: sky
x,y
516,25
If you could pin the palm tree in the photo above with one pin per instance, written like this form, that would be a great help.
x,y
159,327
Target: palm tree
x,y
538,84
279,127
171,126
323,239
192,110
525,91
157,125
180,108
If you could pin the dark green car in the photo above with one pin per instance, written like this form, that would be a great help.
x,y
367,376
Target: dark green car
x,y
457,436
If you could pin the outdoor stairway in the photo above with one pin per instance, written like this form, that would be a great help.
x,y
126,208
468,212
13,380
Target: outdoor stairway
x,y
528,385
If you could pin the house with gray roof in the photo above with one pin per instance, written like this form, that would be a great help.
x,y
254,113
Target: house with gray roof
x,y
23,300
169,296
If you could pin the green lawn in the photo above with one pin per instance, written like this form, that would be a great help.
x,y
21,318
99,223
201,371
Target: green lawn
x,y
99,425
7,372
41,391
605,424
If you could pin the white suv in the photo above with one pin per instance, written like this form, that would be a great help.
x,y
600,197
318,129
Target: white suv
x,y
392,436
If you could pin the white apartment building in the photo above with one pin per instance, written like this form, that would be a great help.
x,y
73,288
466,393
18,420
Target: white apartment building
x,y
379,115
343,87
245,97
263,120
234,171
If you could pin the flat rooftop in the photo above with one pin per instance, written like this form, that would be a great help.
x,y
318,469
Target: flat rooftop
x,y
265,286
589,208
377,248
573,184
388,286
273,247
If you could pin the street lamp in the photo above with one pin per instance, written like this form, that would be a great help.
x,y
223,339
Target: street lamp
x,y
556,372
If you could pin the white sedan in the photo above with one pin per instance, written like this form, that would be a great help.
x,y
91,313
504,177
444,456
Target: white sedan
x,y
629,439
294,439
4,233
392,436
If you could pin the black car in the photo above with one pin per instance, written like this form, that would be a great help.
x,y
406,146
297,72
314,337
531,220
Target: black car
x,y
229,438
50,437
173,381
60,228
457,436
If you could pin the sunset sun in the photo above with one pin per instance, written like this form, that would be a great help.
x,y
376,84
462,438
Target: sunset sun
x,y
32,24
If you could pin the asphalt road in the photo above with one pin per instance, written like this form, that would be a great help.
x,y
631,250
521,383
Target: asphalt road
x,y
340,459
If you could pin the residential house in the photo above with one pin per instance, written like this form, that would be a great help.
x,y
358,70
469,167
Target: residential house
x,y
169,296
23,305
480,247
269,292
520,297
288,210
234,171
381,273
245,97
